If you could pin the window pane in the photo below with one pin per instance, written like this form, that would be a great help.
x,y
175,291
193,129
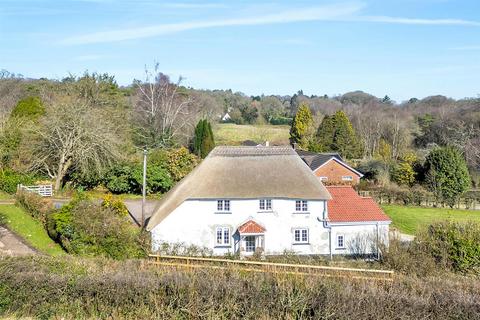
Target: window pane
x,y
226,235
340,241
262,204
268,204
305,235
219,205
304,206
219,235
297,235
227,205
298,205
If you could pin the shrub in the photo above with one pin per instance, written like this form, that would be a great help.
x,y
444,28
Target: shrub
x,y
34,204
91,229
281,121
453,245
30,107
9,180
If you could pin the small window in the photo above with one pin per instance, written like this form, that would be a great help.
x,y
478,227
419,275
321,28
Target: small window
x,y
301,205
340,241
300,236
222,236
223,205
323,178
265,204
347,178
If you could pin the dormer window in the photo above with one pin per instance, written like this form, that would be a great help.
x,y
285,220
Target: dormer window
x,y
223,205
265,204
347,178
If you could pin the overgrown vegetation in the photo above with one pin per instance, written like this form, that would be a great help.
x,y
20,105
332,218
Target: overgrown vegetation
x,y
73,288
85,227
30,229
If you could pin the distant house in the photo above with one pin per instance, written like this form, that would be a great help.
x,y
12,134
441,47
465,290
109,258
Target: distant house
x,y
330,168
226,117
263,199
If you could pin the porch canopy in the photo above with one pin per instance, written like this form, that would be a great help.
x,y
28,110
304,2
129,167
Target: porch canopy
x,y
250,227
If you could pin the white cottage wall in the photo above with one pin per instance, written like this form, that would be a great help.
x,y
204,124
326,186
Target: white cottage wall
x,y
194,223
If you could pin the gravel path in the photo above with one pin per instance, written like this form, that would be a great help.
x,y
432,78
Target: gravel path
x,y
11,245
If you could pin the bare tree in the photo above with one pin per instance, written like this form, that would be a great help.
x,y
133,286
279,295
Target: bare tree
x,y
73,136
163,111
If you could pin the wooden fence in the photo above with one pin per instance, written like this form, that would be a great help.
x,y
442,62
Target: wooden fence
x,y
191,263
45,190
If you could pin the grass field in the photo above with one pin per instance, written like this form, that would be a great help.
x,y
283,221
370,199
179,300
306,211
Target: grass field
x,y
410,219
29,229
5,196
233,134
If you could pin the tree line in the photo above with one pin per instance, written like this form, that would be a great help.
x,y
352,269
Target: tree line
x,y
83,129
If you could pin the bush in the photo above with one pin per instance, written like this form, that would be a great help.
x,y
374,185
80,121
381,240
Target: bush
x,y
9,180
281,121
30,107
72,288
90,229
454,245
34,204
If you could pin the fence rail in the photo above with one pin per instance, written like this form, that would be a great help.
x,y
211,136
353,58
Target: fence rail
x,y
45,190
271,267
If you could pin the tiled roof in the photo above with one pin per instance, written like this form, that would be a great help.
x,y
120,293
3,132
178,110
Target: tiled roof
x,y
251,227
315,160
347,206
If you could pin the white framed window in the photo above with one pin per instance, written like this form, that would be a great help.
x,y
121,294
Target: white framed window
x,y
265,204
347,178
301,205
323,178
340,241
223,205
300,235
222,236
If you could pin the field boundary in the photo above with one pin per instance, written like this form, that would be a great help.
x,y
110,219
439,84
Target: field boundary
x,y
270,267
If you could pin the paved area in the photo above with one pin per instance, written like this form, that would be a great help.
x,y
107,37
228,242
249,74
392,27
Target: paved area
x,y
135,209
403,237
11,245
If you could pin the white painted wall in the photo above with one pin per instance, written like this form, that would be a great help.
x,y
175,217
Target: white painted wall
x,y
194,223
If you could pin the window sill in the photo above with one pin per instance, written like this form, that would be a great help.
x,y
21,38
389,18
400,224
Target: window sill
x,y
223,212
301,212
341,248
301,243
223,246
265,211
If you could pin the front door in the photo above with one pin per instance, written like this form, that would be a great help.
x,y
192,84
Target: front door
x,y
250,244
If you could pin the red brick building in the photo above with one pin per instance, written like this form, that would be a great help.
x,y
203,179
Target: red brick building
x,y
330,168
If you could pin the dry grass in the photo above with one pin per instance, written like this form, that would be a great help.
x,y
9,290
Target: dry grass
x,y
44,287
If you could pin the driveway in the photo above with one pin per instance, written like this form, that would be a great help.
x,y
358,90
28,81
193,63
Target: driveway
x,y
11,245
135,209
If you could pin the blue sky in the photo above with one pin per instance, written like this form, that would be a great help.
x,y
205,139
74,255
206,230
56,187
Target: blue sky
x,y
403,48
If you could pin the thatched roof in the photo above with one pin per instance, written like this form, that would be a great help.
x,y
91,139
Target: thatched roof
x,y
244,173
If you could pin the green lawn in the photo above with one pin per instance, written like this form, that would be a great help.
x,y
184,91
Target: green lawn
x,y
409,219
233,134
5,196
29,229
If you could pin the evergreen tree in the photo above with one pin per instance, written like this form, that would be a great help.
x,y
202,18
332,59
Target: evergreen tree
x,y
447,174
301,131
203,141
336,133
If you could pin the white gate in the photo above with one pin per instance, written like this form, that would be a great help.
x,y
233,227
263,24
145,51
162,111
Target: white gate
x,y
45,190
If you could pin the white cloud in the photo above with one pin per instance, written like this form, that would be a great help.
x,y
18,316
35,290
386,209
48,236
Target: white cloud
x,y
328,12
345,12
399,20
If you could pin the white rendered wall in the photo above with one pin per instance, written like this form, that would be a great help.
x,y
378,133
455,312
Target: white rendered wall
x,y
194,223
359,238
